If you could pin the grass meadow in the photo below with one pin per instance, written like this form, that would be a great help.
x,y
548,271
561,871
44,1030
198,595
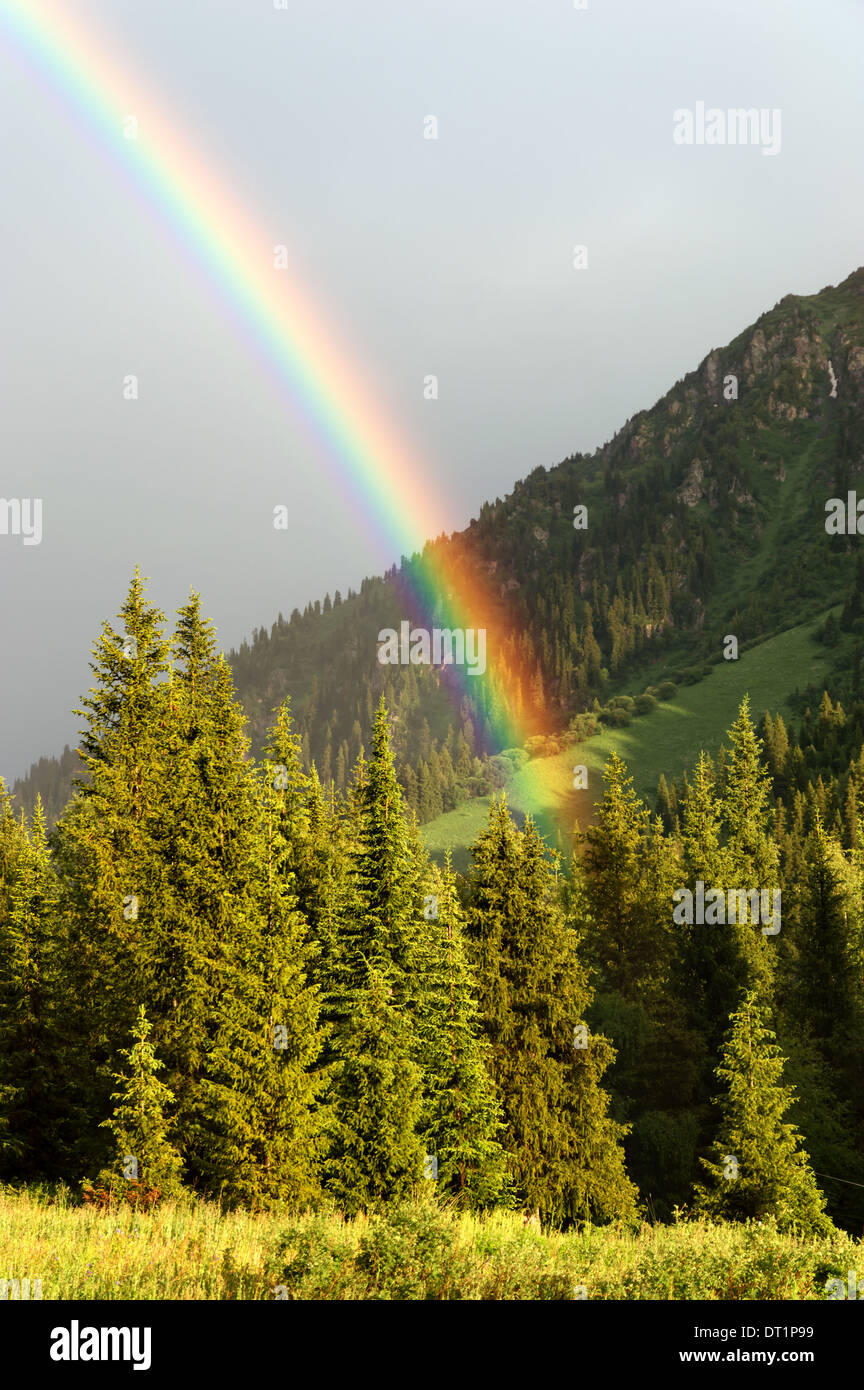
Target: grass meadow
x,y
415,1251
667,740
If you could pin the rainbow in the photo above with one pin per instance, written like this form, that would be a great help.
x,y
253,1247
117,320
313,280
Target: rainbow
x,y
285,331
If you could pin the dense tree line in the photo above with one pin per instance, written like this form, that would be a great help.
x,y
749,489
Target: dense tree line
x,y
224,976
220,976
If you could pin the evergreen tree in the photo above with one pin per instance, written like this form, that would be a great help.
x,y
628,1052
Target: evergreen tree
x,y
824,995
703,857
746,804
827,1122
104,846
630,873
290,1139
244,1087
565,1154
375,1154
624,939
752,859
759,1168
169,860
375,1080
386,873
460,1118
145,1157
711,968
39,1120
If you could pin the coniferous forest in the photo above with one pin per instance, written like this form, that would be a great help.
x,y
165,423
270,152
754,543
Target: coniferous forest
x,y
227,982
490,927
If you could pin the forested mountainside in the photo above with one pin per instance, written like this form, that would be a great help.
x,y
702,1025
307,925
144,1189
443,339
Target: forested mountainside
x,y
704,516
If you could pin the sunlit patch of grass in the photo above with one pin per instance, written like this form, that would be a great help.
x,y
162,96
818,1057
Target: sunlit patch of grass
x,y
414,1251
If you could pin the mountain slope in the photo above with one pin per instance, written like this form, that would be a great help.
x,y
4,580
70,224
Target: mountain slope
x,y
706,517
669,738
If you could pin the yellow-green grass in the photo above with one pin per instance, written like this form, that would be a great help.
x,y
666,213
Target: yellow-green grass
x,y
666,741
175,1252
195,1252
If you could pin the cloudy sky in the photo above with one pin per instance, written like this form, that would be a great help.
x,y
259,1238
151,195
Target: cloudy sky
x,y
452,256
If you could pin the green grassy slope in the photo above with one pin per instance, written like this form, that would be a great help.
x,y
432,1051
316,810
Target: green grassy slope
x,y
666,741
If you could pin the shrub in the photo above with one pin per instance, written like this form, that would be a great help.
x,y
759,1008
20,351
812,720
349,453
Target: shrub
x,y
535,745
517,756
314,1259
499,770
615,718
667,690
583,726
409,1253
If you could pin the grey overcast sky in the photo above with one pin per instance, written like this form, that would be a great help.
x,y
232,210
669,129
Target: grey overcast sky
x,y
451,256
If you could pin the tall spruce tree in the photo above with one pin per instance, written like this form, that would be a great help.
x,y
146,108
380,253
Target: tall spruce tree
x,y
243,1100
759,1167
375,1153
711,966
630,871
625,938
39,1119
313,845
104,844
822,1019
376,1083
292,1135
175,903
385,870
565,1150
12,1144
825,998
752,859
461,1115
